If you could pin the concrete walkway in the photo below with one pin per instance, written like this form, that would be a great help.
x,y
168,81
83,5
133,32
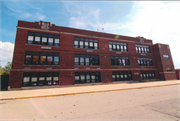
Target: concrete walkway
x,y
36,93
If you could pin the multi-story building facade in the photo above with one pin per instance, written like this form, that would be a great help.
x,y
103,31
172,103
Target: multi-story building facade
x,y
46,54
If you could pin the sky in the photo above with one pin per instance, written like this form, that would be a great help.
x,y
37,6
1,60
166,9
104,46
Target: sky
x,y
155,20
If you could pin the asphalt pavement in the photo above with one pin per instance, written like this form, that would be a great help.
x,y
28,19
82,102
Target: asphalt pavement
x,y
145,104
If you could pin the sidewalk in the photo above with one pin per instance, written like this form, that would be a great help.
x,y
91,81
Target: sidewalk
x,y
23,94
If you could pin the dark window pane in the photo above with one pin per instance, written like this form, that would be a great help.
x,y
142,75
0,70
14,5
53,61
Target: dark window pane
x,y
49,79
81,61
95,45
43,60
76,61
56,60
49,60
28,59
110,46
81,43
118,47
76,44
50,41
125,48
93,78
87,61
82,77
88,78
137,49
91,45
30,39
44,40
87,45
37,40
26,80
36,60
56,42
55,80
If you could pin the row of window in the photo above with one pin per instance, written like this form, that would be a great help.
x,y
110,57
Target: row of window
x,y
54,40
85,43
120,61
52,78
86,60
121,75
40,79
87,77
142,49
145,62
41,58
117,46
43,39
147,75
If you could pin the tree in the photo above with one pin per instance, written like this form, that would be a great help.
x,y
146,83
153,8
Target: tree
x,y
6,69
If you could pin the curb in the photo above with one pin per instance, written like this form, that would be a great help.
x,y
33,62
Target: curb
x,y
78,93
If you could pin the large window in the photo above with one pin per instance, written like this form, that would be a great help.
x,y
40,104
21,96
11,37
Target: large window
x,y
145,62
142,49
86,60
117,46
147,75
41,58
40,79
85,43
119,61
43,39
121,75
87,77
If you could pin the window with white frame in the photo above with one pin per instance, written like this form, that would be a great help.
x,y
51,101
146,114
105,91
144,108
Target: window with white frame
x,y
119,61
121,75
145,62
43,39
86,59
142,49
117,46
40,79
147,75
41,58
85,43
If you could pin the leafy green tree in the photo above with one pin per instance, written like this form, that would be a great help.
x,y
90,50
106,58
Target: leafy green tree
x,y
6,69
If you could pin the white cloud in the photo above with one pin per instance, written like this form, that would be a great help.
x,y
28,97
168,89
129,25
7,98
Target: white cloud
x,y
34,16
6,52
158,21
85,21
24,10
155,20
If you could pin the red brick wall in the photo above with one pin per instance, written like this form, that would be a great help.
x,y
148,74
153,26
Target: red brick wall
x,y
15,79
160,50
67,51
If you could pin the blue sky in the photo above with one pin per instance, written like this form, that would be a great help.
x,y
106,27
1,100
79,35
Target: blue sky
x,y
158,21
